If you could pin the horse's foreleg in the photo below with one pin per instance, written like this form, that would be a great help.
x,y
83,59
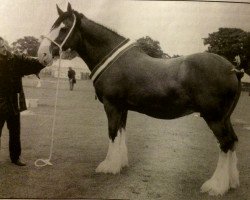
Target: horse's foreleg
x,y
117,152
123,146
234,181
226,175
124,150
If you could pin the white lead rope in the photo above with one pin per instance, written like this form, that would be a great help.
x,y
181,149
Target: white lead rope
x,y
45,162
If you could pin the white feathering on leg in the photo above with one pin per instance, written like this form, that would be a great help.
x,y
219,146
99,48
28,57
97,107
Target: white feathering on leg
x,y
112,163
218,184
124,150
233,171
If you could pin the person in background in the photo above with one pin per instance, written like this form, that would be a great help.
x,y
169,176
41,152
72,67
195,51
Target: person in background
x,y
237,60
12,99
72,78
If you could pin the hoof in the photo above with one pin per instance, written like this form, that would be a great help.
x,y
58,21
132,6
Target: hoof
x,y
107,166
125,162
215,187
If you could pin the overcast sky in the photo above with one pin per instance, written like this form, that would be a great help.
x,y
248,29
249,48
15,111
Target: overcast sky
x,y
178,26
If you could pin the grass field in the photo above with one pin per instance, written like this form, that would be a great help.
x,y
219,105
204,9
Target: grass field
x,y
169,159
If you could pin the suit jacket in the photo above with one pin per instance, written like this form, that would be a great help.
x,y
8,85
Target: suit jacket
x,y
12,69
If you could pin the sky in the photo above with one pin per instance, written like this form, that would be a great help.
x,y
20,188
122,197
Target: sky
x,y
179,26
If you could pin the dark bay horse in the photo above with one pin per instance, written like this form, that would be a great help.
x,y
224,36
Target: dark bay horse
x,y
125,78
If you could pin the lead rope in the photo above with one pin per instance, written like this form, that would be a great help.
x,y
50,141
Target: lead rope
x,y
44,162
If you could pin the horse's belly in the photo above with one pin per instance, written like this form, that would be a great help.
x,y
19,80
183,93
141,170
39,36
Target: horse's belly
x,y
164,110
168,114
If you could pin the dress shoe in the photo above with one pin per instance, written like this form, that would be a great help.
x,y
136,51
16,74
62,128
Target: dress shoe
x,y
18,163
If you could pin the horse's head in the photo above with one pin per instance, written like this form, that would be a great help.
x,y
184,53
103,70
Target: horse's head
x,y
65,32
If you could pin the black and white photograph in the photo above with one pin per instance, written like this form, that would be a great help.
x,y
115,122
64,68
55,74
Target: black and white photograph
x,y
125,99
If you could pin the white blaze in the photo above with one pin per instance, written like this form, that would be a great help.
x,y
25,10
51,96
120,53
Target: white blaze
x,y
44,53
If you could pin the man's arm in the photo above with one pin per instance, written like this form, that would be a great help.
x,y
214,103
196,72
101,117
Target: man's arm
x,y
25,65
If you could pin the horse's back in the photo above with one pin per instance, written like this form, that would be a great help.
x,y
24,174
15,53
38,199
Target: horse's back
x,y
211,60
195,70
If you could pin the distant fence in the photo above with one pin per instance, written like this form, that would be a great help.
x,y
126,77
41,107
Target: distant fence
x,y
85,76
48,72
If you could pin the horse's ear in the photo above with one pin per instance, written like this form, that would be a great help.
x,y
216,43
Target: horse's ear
x,y
69,9
60,12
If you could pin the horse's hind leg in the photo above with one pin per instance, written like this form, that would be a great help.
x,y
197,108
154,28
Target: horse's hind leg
x,y
117,152
226,174
233,171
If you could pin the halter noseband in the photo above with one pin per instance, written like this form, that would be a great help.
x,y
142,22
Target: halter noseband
x,y
60,46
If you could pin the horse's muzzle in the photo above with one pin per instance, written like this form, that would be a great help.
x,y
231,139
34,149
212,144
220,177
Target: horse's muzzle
x,y
44,55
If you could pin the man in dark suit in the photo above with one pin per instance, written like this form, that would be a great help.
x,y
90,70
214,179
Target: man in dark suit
x,y
12,99
72,78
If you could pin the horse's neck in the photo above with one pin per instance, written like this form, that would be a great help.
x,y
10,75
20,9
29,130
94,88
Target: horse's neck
x,y
98,42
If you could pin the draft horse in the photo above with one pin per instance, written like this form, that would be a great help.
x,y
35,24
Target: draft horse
x,y
125,78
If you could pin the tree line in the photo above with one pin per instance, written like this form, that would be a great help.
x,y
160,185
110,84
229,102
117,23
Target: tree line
x,y
230,42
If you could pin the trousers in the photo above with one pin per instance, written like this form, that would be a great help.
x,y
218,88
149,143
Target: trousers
x,y
13,125
71,84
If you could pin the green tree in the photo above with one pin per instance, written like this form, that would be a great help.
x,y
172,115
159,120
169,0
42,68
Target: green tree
x,y
152,47
228,42
27,45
